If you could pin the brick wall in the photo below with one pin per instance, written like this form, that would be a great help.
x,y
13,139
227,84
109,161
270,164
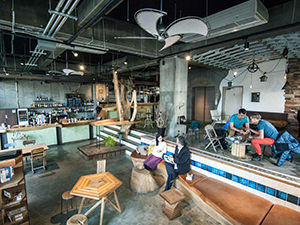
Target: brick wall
x,y
292,96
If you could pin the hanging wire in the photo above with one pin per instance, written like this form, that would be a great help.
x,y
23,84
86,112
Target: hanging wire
x,y
127,11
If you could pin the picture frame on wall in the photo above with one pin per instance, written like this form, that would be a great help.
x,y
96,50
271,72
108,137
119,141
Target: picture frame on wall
x,y
255,96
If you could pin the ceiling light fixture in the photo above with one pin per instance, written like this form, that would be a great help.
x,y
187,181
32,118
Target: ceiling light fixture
x,y
125,62
22,64
190,67
75,54
6,73
246,45
235,73
82,67
253,67
188,57
264,77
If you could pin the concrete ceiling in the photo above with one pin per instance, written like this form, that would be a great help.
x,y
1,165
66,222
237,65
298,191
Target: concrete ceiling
x,y
99,21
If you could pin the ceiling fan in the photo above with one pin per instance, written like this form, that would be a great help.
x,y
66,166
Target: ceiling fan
x,y
148,20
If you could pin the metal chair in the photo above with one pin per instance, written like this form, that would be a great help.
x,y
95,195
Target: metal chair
x,y
194,129
38,159
213,138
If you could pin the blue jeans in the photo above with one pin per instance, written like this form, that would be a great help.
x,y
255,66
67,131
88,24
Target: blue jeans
x,y
172,175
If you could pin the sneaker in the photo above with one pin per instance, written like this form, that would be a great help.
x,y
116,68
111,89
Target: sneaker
x,y
257,157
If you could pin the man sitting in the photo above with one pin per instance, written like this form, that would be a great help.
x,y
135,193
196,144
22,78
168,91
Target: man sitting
x,y
237,121
266,135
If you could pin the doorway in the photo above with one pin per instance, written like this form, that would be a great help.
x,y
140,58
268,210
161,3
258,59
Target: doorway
x,y
203,102
232,100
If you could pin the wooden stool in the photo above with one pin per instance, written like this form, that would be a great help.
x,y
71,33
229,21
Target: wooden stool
x,y
66,196
239,150
142,181
172,199
78,219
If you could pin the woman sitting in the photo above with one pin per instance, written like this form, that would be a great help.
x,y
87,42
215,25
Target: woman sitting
x,y
156,156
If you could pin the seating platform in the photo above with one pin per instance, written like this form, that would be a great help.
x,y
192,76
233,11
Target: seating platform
x,y
234,205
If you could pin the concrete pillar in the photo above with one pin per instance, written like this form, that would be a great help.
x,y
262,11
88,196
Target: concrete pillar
x,y
173,90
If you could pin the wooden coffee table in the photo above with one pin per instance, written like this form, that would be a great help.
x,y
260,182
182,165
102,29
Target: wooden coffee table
x,y
97,186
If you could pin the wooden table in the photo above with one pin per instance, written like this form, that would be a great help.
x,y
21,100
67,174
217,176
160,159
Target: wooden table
x,y
172,199
26,150
98,187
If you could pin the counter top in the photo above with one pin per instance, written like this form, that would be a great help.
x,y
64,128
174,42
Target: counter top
x,y
29,128
78,123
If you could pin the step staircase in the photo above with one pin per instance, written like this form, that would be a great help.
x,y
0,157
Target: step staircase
x,y
131,142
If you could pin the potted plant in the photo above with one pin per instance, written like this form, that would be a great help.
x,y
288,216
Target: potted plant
x,y
109,142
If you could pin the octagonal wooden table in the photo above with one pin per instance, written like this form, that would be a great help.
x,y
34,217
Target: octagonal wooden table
x,y
98,187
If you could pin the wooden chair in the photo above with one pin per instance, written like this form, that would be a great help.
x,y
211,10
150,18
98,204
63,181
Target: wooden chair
x,y
213,138
38,159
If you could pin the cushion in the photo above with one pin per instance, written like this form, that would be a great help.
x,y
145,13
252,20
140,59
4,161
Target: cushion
x,y
237,205
279,215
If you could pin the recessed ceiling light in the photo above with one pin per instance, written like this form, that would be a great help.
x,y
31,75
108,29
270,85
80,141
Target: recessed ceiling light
x,y
81,67
22,64
188,57
190,67
235,30
75,54
234,73
125,62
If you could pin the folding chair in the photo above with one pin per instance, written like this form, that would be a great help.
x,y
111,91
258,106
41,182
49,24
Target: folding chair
x,y
216,118
38,159
214,140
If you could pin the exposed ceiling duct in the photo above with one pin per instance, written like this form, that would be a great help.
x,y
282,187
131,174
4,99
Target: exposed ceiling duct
x,y
52,46
245,15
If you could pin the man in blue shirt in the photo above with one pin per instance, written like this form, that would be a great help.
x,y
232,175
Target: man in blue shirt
x,y
237,122
266,135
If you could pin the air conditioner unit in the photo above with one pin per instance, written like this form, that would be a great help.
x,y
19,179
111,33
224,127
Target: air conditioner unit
x,y
245,15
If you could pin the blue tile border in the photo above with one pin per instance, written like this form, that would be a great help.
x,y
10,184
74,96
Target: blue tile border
x,y
249,183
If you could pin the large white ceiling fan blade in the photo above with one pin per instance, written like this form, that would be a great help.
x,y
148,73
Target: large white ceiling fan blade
x,y
68,71
187,25
147,19
170,41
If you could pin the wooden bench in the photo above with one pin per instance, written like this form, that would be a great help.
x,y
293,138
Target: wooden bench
x,y
228,204
231,205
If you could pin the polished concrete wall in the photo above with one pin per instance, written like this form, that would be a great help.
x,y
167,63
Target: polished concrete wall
x,y
22,93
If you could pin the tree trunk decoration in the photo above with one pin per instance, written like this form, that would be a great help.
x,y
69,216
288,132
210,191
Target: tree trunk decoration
x,y
122,89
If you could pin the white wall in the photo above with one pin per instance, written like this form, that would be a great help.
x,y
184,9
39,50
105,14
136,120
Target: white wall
x,y
271,95
29,90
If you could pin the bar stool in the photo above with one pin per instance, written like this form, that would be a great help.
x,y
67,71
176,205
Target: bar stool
x,y
66,196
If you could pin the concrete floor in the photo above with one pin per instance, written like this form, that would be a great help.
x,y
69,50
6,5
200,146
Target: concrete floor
x,y
65,166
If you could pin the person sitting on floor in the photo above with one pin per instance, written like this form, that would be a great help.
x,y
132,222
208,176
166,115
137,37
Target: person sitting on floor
x,y
266,135
179,163
236,123
160,148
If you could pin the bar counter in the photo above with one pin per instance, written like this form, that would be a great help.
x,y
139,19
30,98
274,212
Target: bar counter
x,y
49,134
